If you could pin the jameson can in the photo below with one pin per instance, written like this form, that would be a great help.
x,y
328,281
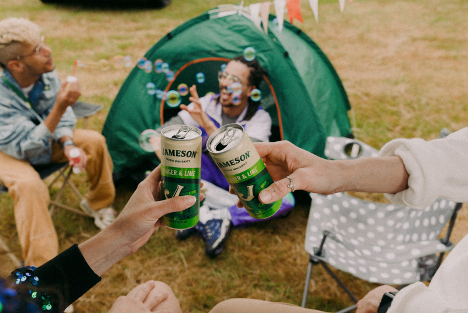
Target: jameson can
x,y
180,171
233,151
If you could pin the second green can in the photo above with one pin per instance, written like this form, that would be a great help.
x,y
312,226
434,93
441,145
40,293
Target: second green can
x,y
180,171
234,153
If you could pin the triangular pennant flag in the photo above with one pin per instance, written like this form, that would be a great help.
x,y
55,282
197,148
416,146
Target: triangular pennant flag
x,y
255,14
241,6
294,10
264,13
279,11
314,6
342,3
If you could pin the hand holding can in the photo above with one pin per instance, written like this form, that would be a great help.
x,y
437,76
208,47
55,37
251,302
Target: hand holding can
x,y
234,153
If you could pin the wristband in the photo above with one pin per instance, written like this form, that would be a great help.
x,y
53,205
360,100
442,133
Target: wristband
x,y
386,301
68,143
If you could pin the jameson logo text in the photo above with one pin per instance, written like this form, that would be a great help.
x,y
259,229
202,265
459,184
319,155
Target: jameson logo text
x,y
235,161
179,153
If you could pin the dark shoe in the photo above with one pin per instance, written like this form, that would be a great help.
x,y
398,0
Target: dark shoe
x,y
214,226
182,234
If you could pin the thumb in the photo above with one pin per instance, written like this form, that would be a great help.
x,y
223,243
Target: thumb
x,y
275,191
175,204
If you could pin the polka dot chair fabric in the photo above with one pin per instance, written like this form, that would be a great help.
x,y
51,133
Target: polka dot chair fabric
x,y
377,242
341,148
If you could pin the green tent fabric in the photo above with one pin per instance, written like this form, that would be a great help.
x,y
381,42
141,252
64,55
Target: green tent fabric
x,y
302,91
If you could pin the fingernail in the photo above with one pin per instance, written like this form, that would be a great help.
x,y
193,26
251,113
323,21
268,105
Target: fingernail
x,y
265,197
190,200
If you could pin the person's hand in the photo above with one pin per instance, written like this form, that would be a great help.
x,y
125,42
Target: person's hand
x,y
141,215
134,225
83,157
67,95
304,168
148,297
197,112
370,303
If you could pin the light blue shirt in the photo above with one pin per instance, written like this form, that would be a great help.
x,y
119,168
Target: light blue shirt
x,y
23,134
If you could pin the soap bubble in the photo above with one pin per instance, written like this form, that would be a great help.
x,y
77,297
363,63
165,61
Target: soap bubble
x,y
158,66
200,78
118,61
256,95
183,89
165,67
211,94
151,88
144,139
235,99
173,98
160,94
127,61
236,88
141,63
104,64
249,54
148,66
170,75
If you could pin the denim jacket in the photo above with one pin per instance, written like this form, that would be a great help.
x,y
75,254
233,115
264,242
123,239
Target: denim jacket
x,y
23,134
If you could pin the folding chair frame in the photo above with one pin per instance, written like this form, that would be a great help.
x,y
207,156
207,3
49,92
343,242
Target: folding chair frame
x,y
318,252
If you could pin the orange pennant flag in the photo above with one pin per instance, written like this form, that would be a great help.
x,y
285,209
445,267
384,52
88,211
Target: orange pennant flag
x,y
294,10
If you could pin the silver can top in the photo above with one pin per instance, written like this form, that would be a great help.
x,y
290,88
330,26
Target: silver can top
x,y
181,132
228,137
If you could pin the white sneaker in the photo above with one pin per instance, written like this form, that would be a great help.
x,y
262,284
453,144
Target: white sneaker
x,y
102,218
69,309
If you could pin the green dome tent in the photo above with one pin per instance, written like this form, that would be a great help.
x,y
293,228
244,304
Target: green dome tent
x,y
302,92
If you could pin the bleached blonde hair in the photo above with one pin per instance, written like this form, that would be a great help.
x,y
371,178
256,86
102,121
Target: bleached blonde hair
x,y
14,34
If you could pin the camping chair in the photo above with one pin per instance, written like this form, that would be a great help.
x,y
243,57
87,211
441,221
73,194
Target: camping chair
x,y
412,256
344,232
82,110
62,170
342,148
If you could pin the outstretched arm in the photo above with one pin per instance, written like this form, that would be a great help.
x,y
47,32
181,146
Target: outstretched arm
x,y
314,174
133,226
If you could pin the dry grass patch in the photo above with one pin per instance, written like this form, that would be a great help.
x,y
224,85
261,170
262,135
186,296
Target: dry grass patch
x,y
403,65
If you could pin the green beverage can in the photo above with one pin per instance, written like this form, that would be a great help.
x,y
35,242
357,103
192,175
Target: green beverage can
x,y
234,153
180,171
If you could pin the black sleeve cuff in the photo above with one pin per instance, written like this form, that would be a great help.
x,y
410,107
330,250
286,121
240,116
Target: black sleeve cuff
x,y
68,273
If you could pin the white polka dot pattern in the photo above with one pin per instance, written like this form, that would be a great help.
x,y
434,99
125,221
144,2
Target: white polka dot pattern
x,y
386,240
341,148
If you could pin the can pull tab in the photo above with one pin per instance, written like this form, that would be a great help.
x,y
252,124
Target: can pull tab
x,y
227,138
183,131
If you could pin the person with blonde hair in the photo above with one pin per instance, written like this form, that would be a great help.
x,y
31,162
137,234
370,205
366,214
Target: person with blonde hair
x,y
37,127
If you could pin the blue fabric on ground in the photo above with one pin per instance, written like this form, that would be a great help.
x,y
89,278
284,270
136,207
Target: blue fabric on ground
x,y
240,217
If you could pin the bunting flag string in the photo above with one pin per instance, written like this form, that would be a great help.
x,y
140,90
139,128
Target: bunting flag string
x,y
255,14
259,12
294,10
314,6
279,11
342,4
264,13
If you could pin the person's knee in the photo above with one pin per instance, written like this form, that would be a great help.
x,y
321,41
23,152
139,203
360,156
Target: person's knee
x,y
225,306
31,185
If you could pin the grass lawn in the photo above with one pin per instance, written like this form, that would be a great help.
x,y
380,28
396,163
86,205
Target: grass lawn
x,y
403,64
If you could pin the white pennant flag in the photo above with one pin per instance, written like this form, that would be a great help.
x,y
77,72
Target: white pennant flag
x,y
314,6
279,11
255,14
342,3
265,13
